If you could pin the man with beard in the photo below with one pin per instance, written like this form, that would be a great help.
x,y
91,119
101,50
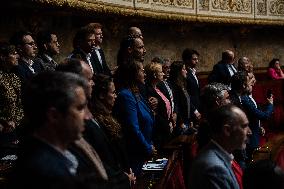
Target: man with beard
x,y
48,47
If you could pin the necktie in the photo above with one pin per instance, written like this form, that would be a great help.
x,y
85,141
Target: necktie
x,y
238,173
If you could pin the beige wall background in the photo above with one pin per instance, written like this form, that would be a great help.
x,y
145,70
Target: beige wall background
x,y
162,38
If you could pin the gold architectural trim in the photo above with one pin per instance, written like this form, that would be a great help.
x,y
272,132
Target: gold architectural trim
x,y
103,7
95,6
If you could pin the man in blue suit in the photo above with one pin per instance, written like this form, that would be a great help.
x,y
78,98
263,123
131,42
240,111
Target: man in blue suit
x,y
212,167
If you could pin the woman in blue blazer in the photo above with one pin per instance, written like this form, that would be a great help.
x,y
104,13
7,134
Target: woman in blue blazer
x,y
135,116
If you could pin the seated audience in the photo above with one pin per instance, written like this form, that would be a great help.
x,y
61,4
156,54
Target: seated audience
x,y
274,69
212,167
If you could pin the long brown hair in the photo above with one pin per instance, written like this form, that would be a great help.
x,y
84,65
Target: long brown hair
x,y
101,113
175,74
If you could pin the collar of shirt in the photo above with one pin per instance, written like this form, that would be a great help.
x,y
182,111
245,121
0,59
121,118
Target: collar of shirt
x,y
229,156
193,70
48,57
30,62
88,56
73,162
97,48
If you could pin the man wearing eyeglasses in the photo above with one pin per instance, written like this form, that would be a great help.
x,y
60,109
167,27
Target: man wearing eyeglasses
x,y
27,49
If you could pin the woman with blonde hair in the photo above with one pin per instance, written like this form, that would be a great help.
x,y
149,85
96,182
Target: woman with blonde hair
x,y
164,121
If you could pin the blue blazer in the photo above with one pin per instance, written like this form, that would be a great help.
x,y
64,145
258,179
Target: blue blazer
x,y
137,123
212,169
254,115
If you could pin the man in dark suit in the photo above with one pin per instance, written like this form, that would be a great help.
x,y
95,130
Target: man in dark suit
x,y
224,70
190,59
83,44
212,168
27,49
55,105
48,47
98,57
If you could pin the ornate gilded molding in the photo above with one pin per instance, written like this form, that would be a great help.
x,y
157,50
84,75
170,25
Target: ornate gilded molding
x,y
204,5
276,8
261,7
260,12
240,6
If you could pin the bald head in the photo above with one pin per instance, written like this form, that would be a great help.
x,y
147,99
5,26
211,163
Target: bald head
x,y
228,56
230,128
135,32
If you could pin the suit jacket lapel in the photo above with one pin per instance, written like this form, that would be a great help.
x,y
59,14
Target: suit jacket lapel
x,y
191,77
228,165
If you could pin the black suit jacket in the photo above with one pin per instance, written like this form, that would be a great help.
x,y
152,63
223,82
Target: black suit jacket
x,y
97,138
220,74
97,66
79,54
48,65
23,71
193,90
40,165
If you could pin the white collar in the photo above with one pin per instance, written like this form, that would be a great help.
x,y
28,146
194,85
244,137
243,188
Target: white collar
x,y
193,70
